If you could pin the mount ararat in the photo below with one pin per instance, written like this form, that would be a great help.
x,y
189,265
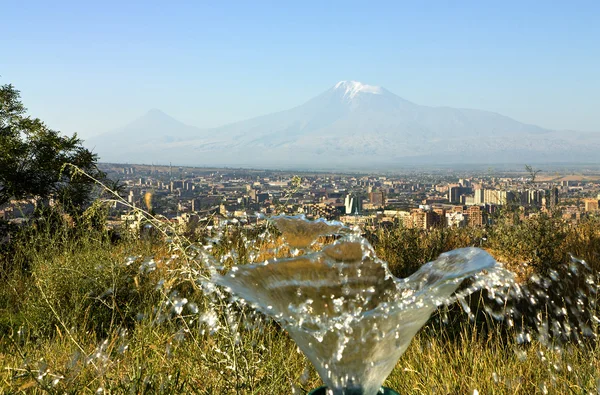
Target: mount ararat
x,y
352,126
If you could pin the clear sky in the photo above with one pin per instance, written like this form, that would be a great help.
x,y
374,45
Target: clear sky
x,y
90,67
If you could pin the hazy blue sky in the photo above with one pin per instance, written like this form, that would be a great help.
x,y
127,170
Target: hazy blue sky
x,y
90,68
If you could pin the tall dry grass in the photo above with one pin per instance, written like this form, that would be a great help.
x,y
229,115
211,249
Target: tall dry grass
x,y
80,313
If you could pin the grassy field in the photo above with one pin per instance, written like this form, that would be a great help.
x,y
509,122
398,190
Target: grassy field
x,y
80,313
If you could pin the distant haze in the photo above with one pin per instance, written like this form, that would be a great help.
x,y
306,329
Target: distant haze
x,y
351,125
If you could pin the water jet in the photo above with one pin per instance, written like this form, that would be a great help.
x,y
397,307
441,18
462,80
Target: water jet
x,y
341,305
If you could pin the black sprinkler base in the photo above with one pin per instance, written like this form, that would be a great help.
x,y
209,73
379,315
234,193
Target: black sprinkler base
x,y
323,391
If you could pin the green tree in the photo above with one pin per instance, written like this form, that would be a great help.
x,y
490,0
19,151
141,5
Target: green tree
x,y
33,159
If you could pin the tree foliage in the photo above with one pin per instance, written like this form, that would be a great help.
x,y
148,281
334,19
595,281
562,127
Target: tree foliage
x,y
33,158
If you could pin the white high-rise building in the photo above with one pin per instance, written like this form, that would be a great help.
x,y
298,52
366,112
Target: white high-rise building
x,y
353,204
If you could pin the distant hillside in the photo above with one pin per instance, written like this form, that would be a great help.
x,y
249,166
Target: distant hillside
x,y
350,125
138,139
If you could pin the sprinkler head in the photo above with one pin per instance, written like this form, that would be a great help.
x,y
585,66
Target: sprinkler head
x,y
382,391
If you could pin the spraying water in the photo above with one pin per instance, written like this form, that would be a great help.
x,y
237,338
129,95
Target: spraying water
x,y
349,315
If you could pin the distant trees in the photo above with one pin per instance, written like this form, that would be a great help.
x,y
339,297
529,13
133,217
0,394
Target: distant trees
x,y
33,159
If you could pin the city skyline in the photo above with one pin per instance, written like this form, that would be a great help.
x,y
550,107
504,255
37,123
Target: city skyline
x,y
90,69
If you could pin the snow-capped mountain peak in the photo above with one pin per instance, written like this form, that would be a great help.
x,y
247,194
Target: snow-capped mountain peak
x,y
350,124
352,88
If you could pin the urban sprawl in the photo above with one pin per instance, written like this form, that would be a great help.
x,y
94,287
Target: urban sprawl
x,y
202,197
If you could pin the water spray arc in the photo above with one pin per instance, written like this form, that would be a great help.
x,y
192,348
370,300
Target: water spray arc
x,y
341,305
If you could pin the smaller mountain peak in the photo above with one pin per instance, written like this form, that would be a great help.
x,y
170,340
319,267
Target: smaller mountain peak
x,y
157,114
155,111
352,88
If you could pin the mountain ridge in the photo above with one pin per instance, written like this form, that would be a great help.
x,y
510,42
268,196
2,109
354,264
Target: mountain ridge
x,y
350,122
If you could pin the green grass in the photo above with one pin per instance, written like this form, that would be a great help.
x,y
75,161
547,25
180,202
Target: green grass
x,y
78,316
488,365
